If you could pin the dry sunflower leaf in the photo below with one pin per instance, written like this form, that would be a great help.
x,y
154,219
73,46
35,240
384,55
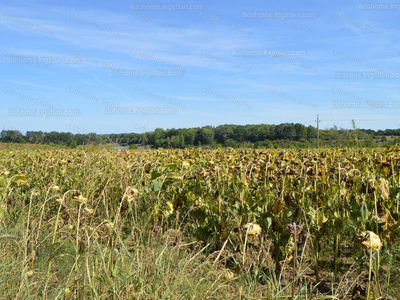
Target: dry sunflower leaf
x,y
384,188
21,179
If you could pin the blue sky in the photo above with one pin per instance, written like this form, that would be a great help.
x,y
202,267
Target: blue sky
x,y
91,66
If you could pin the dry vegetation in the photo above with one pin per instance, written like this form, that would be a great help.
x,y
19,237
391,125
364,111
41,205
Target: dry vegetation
x,y
176,224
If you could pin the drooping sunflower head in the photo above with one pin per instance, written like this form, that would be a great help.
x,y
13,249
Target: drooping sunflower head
x,y
368,240
252,229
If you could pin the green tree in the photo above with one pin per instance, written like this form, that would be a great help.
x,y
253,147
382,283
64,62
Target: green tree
x,y
190,135
230,143
9,136
311,132
73,144
35,137
301,132
205,136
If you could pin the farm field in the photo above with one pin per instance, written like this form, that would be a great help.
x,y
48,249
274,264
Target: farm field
x,y
96,223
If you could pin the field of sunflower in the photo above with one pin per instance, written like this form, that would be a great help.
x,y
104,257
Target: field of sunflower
x,y
199,224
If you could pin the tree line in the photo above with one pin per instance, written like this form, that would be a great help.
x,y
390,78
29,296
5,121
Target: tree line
x,y
256,136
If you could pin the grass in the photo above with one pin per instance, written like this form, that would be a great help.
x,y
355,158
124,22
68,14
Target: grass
x,y
168,224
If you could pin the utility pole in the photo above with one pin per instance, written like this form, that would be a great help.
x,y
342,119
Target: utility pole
x,y
318,131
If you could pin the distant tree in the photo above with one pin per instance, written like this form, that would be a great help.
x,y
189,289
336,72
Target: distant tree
x,y
311,132
334,128
160,143
143,139
205,136
159,133
73,144
34,137
190,135
285,131
177,141
230,143
239,133
52,137
286,135
92,138
224,132
11,136
301,131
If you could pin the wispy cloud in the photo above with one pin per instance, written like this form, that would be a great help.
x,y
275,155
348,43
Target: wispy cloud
x,y
91,32
32,84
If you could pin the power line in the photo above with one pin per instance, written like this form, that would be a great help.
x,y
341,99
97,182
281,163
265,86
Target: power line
x,y
362,120
361,114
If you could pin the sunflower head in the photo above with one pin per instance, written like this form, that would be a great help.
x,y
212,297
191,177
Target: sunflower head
x,y
131,193
252,229
54,188
35,192
368,240
78,197
226,275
